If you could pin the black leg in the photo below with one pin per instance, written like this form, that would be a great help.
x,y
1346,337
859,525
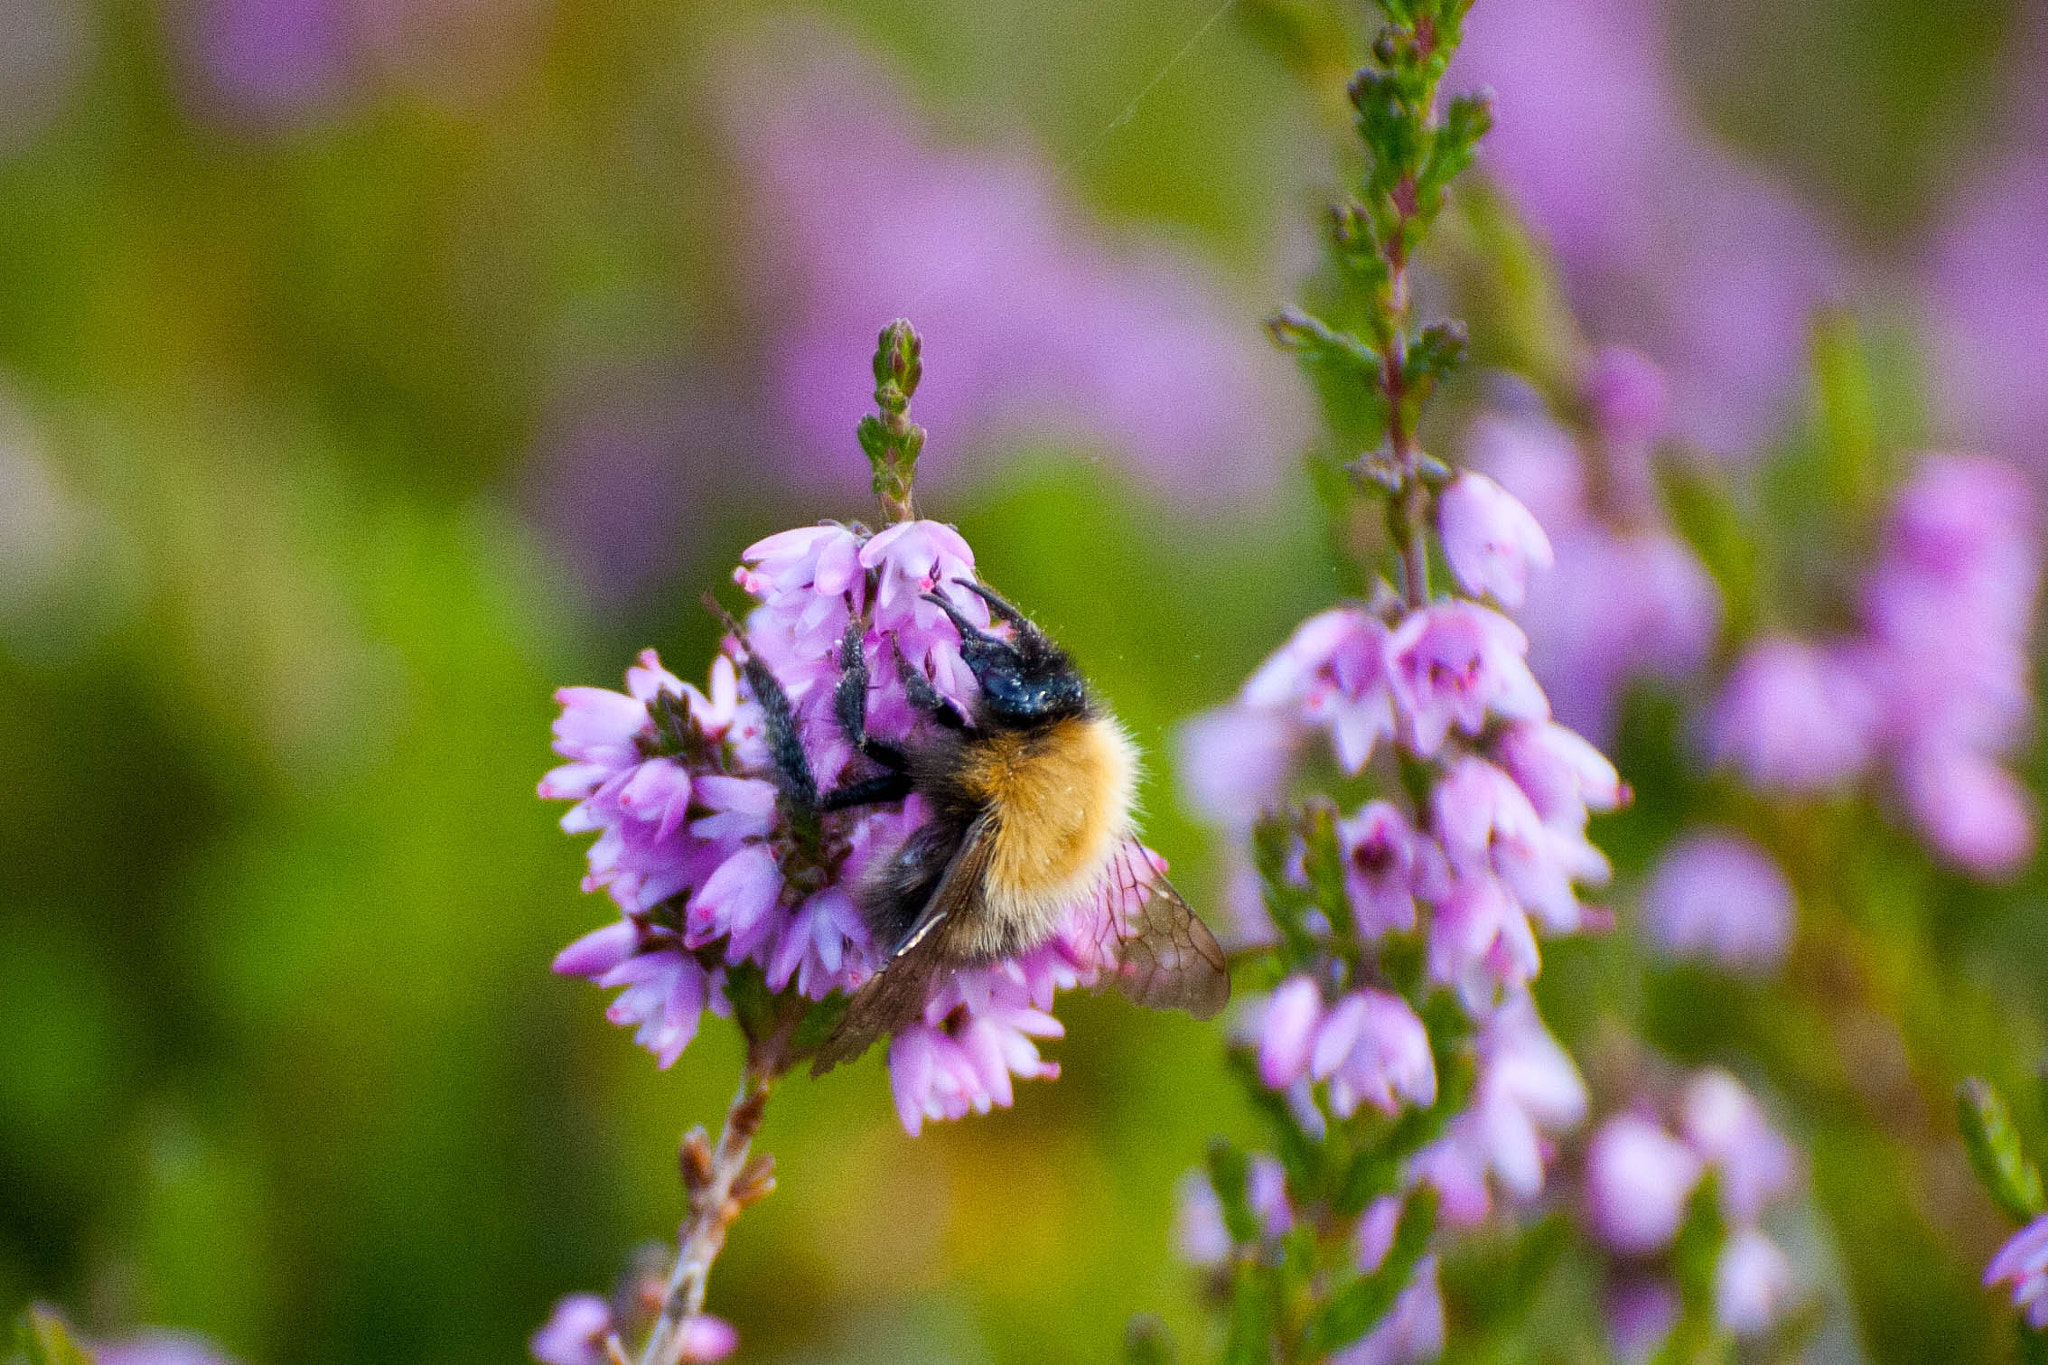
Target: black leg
x,y
785,743
870,791
922,694
850,697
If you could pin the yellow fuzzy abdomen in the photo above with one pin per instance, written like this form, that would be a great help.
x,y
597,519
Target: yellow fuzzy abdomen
x,y
1060,800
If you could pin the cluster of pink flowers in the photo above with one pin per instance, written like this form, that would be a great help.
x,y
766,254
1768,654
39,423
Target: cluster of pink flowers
x,y
696,851
1640,1176
1935,683
1492,852
576,1333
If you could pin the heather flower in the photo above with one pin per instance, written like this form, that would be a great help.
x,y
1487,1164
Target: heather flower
x,y
1200,1234
1728,1128
1490,539
1413,1329
1382,863
160,1348
1527,1089
1641,1311
964,1064
1480,942
1332,674
1794,717
2023,1263
1638,1179
1713,894
1372,1049
1287,1031
574,1333
1752,1283
1455,663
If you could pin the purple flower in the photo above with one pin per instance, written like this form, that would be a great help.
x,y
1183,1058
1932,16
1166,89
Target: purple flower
x,y
574,1333
1716,895
1381,856
706,1338
1332,674
1487,826
1527,1088
1794,717
1412,1330
666,993
859,207
1480,942
1752,1282
1200,1233
1234,762
1727,1127
160,1348
2023,1263
1453,663
1372,1049
964,1064
1640,1315
1490,539
1638,1179
1563,776
1286,1031
1976,814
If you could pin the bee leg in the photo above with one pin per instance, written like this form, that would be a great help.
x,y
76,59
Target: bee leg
x,y
850,702
785,744
869,791
923,695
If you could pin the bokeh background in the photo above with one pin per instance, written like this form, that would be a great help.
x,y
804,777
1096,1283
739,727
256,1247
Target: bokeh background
x,y
368,368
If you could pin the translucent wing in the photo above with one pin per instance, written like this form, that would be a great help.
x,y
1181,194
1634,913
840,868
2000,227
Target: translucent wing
x,y
894,997
1155,949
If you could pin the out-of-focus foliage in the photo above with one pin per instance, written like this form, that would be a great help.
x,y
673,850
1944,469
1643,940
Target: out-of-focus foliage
x,y
367,369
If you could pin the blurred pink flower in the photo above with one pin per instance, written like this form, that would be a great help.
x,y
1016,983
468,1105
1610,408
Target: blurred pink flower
x,y
1728,1128
1716,895
1638,1179
1286,1031
1489,539
161,1348
1641,1311
1412,1330
1795,717
1331,673
1753,1282
1039,322
574,1333
1381,856
2023,1263
1373,1049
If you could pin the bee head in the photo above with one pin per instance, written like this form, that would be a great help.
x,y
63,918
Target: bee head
x,y
1025,678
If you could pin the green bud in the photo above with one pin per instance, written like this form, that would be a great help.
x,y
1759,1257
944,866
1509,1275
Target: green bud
x,y
1994,1146
1230,1177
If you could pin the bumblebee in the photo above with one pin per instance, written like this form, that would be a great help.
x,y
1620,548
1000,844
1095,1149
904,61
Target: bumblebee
x,y
1031,796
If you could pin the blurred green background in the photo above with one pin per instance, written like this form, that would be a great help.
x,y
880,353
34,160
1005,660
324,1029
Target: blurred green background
x,y
286,581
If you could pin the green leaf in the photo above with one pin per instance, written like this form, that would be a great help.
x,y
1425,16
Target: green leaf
x,y
1318,342
1254,1316
1323,861
1355,1308
1994,1146
1299,1156
1851,472
43,1338
1230,1177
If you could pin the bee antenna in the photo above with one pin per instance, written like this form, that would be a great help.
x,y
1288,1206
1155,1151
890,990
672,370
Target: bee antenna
x,y
968,630
1003,610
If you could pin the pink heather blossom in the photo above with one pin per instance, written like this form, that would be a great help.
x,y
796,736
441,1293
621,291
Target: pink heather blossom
x,y
1453,664
666,993
1412,1331
706,1338
1381,856
574,1333
1287,1031
823,947
1724,1123
1794,717
1200,1234
1333,674
160,1348
1480,942
1638,1179
1490,539
1487,827
1234,762
1976,814
1641,1312
1372,1049
1752,1283
1563,776
1527,1088
1714,894
2023,1263
965,1065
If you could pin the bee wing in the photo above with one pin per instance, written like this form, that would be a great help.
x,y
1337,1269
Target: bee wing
x,y
1157,951
894,997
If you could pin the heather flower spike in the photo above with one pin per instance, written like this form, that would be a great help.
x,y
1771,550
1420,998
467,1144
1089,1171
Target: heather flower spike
x,y
767,838
1410,1085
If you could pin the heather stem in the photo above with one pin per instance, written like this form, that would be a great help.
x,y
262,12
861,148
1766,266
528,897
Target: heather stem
x,y
721,1182
1414,509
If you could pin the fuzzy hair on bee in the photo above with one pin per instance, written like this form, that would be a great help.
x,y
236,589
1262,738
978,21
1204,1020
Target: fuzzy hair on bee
x,y
1031,795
